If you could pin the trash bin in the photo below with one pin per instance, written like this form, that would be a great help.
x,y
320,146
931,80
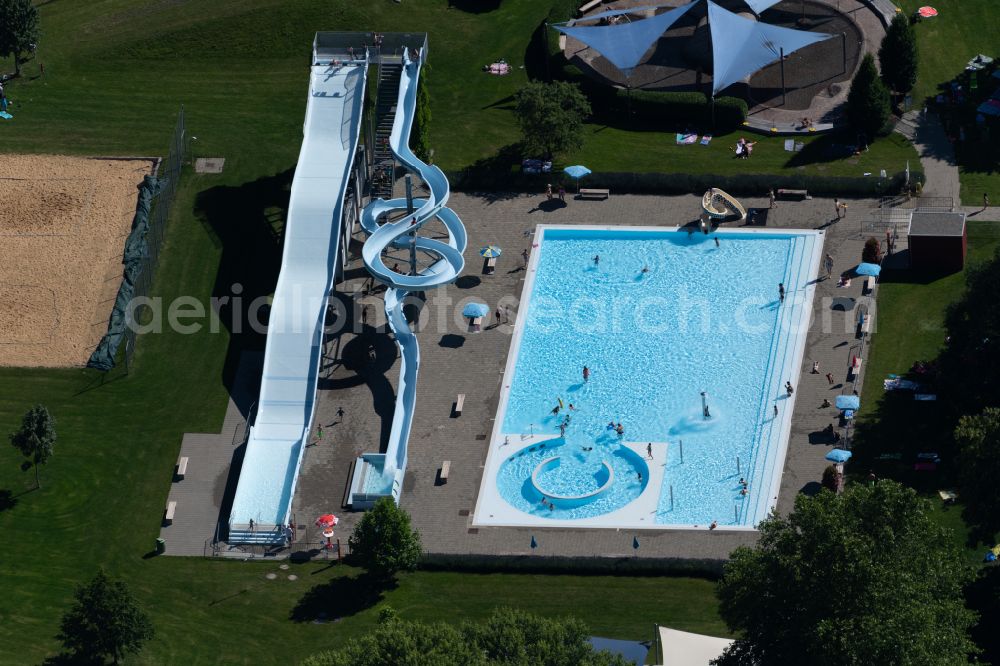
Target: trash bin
x,y
161,546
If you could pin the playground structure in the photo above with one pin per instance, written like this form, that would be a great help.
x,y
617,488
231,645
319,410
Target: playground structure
x,y
718,205
292,355
63,225
376,474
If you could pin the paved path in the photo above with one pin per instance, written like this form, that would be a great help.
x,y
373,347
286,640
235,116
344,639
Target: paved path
x,y
454,361
937,155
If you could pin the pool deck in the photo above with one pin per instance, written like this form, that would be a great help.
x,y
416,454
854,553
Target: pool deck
x,y
454,361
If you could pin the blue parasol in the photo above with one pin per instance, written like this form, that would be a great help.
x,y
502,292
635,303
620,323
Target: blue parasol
x,y
868,269
577,171
475,310
848,402
490,251
838,456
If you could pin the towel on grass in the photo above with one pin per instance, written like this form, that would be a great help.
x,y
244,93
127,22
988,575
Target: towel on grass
x,y
5,115
707,139
685,139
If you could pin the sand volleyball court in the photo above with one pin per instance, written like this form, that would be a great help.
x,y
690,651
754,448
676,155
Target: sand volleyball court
x,y
63,224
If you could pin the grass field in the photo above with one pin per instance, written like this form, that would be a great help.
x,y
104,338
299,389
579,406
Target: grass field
x,y
910,328
962,29
116,72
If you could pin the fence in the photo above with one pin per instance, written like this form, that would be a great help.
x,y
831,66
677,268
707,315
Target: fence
x,y
168,176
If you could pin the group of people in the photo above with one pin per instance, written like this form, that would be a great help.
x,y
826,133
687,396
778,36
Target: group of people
x,y
744,487
744,148
617,427
549,195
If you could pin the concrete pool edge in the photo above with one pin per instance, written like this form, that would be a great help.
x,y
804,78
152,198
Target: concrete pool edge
x,y
492,510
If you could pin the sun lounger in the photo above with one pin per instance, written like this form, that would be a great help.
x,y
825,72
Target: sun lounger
x,y
925,397
705,140
686,139
949,496
900,385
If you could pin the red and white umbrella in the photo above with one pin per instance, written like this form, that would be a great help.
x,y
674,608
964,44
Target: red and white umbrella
x,y
327,520
927,12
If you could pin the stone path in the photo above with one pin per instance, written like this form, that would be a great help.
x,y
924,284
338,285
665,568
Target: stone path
x,y
453,361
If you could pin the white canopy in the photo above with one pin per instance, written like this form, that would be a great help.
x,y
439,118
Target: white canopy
x,y
681,648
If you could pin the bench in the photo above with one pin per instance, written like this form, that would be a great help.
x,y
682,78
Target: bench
x,y
594,193
475,325
869,286
590,5
459,404
799,195
855,366
445,471
491,266
182,466
168,516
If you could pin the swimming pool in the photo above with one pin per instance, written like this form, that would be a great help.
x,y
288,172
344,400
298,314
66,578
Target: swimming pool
x,y
658,316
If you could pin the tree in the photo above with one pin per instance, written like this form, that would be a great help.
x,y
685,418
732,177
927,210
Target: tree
x,y
868,100
422,119
383,541
551,116
897,56
862,577
978,439
18,29
507,638
870,252
105,621
36,438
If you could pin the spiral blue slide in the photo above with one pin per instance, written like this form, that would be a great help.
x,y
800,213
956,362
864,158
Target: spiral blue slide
x,y
384,473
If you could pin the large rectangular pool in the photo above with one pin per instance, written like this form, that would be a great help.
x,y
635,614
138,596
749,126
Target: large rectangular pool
x,y
667,323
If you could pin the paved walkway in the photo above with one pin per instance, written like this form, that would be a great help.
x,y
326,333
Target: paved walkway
x,y
205,495
937,154
453,361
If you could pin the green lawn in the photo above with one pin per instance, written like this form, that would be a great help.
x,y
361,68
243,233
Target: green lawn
x,y
115,73
962,29
910,327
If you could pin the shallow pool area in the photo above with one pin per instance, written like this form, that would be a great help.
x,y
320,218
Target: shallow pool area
x,y
681,417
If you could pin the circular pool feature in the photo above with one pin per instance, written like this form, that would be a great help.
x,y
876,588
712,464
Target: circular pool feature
x,y
573,489
574,483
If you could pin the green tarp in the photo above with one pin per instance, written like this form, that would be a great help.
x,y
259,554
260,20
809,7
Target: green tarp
x,y
103,357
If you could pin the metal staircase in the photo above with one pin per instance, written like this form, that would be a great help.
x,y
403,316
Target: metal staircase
x,y
389,73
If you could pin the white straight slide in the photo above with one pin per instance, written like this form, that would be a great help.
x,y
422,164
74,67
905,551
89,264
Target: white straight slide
x,y
295,333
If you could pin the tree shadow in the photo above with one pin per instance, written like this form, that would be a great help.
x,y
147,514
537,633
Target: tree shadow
x,y
338,598
247,223
475,6
468,282
68,659
7,500
826,148
451,341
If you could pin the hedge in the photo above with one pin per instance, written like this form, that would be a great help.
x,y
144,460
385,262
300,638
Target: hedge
x,y
597,565
752,184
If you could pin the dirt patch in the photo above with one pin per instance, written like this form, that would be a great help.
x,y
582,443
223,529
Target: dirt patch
x,y
63,224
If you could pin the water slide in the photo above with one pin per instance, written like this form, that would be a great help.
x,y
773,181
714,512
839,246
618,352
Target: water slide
x,y
295,334
446,261
718,204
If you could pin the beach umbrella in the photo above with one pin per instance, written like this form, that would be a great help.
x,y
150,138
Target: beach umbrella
x,y
927,12
490,251
848,402
576,172
327,520
838,456
868,269
475,310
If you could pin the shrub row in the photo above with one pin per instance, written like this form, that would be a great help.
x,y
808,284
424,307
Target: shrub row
x,y
474,180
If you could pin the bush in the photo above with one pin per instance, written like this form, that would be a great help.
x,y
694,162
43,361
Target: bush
x,y
868,100
871,253
831,478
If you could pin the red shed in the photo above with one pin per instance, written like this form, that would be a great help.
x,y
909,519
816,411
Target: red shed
x,y
937,241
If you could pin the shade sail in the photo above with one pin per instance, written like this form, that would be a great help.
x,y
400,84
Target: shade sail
x,y
741,46
616,12
760,5
624,44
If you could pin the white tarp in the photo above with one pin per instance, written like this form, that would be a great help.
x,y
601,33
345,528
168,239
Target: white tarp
x,y
680,648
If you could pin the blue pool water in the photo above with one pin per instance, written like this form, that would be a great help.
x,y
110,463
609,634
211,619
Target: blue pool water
x,y
701,318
